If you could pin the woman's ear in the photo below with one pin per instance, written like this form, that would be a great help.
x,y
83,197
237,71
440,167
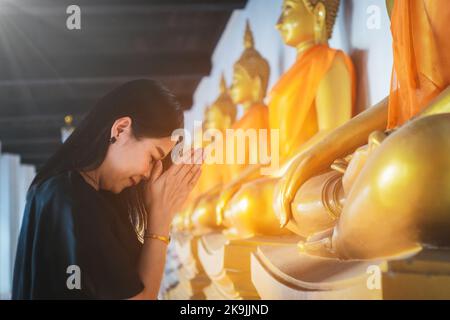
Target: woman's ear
x,y
120,126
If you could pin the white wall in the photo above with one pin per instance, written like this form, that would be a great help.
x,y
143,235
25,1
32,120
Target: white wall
x,y
370,49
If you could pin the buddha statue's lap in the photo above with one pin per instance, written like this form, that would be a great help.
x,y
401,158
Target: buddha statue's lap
x,y
391,198
400,200
313,97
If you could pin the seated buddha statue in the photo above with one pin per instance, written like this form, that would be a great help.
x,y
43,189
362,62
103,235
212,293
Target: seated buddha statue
x,y
312,98
390,197
220,115
248,89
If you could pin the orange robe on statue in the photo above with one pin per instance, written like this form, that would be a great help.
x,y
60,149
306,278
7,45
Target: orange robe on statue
x,y
292,104
421,44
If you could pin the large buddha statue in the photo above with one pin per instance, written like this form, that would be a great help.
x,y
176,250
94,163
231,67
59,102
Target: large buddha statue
x,y
248,89
312,98
390,197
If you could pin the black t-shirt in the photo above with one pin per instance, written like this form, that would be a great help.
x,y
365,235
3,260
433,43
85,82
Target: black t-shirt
x,y
72,234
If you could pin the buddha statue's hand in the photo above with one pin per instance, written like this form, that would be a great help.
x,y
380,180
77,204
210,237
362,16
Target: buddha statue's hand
x,y
319,157
306,165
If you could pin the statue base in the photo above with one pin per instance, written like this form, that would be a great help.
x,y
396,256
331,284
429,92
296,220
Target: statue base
x,y
282,273
227,263
192,279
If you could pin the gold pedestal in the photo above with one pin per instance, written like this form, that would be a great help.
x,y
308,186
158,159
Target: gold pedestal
x,y
192,277
227,263
283,272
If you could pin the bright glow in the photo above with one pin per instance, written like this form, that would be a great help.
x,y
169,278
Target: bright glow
x,y
388,176
243,205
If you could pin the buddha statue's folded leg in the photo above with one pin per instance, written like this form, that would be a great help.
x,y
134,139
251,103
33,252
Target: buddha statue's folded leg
x,y
424,150
230,189
249,212
401,200
318,203
317,159
202,217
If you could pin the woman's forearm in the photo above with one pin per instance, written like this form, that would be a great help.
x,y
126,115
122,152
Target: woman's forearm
x,y
152,261
151,266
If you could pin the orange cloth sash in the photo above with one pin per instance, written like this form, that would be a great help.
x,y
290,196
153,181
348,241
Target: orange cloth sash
x,y
292,100
421,46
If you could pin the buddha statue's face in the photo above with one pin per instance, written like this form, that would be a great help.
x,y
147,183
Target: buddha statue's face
x,y
296,23
242,86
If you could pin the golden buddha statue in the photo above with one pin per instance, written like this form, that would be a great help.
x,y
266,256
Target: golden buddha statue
x,y
312,98
248,89
249,86
390,197
219,116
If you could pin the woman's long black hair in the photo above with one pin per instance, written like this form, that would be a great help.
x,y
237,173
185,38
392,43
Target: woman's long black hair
x,y
155,113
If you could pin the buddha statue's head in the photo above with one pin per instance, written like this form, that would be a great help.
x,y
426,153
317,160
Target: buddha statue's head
x,y
250,74
307,21
222,112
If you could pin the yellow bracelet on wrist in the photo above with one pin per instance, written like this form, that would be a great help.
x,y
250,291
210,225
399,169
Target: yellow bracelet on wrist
x,y
149,235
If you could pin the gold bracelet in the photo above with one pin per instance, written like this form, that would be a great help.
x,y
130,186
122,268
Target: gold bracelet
x,y
164,239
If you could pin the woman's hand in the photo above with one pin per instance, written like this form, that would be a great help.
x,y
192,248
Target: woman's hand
x,y
166,192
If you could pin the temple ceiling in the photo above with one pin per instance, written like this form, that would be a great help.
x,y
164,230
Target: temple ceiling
x,y
48,71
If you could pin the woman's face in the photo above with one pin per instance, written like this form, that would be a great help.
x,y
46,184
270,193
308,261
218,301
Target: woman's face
x,y
130,160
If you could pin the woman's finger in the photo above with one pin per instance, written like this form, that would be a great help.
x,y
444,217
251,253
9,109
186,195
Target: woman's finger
x,y
156,171
188,168
182,161
190,176
195,178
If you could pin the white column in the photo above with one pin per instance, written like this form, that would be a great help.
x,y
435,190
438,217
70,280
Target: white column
x,y
9,165
14,181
